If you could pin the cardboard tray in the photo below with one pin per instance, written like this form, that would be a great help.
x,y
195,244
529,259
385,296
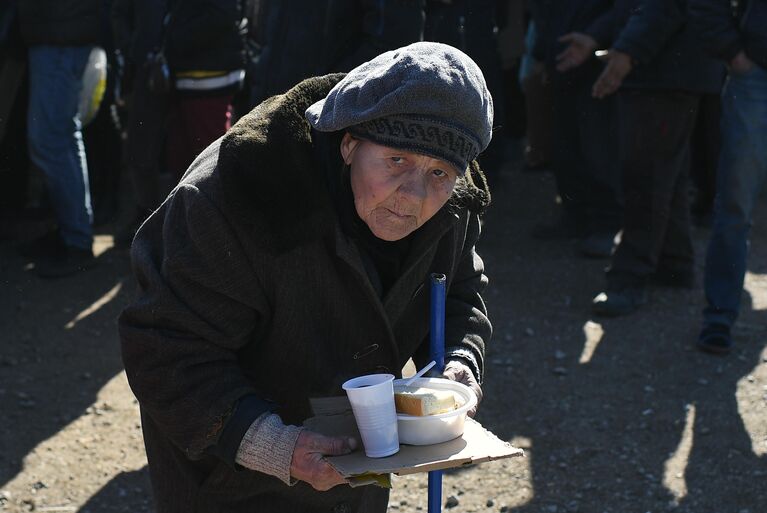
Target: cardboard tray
x,y
333,417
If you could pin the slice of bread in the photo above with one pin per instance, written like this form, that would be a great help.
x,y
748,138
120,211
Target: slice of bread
x,y
422,401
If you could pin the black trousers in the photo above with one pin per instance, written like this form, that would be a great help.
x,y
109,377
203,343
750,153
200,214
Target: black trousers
x,y
145,144
655,131
584,155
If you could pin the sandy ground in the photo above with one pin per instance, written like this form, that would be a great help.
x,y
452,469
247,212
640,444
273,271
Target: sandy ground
x,y
615,416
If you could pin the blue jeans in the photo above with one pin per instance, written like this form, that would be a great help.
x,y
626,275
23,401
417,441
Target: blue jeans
x,y
740,177
55,136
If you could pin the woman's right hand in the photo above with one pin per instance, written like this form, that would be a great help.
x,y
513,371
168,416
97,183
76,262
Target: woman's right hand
x,y
308,463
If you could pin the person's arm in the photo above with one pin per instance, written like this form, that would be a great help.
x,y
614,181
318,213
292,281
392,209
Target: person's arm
x,y
581,45
649,29
602,29
386,25
467,326
199,302
716,27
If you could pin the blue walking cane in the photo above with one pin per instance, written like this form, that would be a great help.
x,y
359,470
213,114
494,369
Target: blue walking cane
x,y
437,353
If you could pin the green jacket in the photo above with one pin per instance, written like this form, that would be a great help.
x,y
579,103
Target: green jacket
x,y
248,287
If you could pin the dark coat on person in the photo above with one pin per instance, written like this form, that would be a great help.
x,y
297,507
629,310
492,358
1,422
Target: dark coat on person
x,y
328,36
555,18
207,35
248,287
138,27
60,22
668,55
727,29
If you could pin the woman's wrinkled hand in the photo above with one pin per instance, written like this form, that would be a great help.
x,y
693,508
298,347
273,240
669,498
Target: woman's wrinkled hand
x,y
309,464
460,372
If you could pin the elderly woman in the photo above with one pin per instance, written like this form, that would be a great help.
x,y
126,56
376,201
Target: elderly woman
x,y
295,254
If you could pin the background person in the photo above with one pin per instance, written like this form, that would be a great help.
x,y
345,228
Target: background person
x,y
60,35
737,36
662,72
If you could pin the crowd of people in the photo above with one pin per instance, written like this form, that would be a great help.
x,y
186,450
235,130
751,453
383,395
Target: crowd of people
x,y
631,104
626,102
619,99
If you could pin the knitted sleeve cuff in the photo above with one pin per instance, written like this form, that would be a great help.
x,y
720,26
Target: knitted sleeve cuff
x,y
268,447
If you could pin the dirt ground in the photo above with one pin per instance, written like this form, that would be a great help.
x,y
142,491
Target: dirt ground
x,y
615,416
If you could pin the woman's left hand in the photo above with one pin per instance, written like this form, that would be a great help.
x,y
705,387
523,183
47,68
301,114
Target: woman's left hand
x,y
460,372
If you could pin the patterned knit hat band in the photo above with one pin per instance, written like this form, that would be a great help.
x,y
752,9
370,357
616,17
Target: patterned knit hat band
x,y
421,135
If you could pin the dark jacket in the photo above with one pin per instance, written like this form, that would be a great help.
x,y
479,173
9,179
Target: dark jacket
x,y
60,22
726,29
248,289
207,35
138,27
659,37
555,18
327,36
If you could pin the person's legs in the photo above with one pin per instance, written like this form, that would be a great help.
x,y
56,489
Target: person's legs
x,y
741,175
143,156
197,122
676,262
55,137
147,122
704,157
567,161
654,146
539,118
598,138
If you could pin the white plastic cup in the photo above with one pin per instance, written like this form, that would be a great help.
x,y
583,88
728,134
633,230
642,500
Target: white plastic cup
x,y
372,400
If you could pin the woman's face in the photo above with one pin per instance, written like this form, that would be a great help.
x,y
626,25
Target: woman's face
x,y
396,191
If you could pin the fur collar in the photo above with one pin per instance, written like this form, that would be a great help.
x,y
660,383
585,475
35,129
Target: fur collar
x,y
269,171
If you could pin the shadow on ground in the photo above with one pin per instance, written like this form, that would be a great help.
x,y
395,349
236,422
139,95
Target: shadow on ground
x,y
621,414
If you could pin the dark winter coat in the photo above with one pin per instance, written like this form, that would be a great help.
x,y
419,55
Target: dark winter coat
x,y
555,18
138,27
60,22
207,35
248,289
327,36
668,55
726,29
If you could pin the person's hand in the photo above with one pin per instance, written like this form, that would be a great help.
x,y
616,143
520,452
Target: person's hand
x,y
578,51
741,63
618,66
308,463
460,372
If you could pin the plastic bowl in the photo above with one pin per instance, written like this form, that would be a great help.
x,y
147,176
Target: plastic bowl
x,y
435,429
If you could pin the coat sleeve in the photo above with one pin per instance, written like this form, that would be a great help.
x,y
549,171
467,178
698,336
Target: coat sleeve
x,y
716,27
198,303
602,29
386,25
649,28
467,327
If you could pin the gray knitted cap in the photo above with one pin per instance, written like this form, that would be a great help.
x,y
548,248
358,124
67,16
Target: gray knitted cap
x,y
429,98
